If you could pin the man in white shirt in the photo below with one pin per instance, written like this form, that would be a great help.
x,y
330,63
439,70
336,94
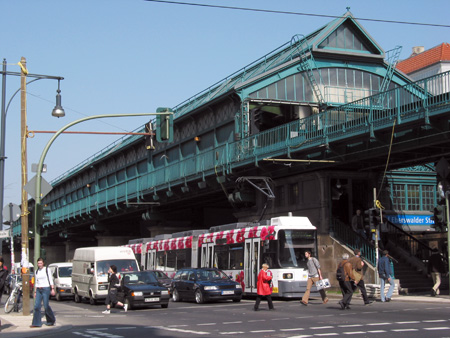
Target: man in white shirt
x,y
43,287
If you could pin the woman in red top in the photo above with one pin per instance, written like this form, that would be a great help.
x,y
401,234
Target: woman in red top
x,y
263,287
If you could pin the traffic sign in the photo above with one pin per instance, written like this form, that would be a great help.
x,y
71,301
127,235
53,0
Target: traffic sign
x,y
4,234
7,217
30,187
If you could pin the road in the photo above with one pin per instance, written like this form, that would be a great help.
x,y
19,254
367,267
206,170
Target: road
x,y
227,319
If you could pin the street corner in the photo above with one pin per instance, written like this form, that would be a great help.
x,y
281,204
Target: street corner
x,y
5,325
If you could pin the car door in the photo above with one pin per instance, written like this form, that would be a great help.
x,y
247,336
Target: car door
x,y
181,284
190,283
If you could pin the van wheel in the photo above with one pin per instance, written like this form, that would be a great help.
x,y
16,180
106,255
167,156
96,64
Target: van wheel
x,y
58,296
199,297
77,298
92,300
176,296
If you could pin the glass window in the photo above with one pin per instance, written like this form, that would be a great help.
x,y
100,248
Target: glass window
x,y
428,197
236,256
293,193
413,197
184,275
292,247
398,192
171,259
221,257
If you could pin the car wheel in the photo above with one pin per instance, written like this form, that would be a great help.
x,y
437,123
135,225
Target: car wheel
x,y
92,300
176,296
199,297
236,300
128,303
58,296
164,306
77,298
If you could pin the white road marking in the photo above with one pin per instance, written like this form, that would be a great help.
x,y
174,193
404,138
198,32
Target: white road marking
x,y
409,322
177,330
262,331
377,331
376,324
236,332
436,328
354,332
321,327
256,320
282,318
302,336
295,329
239,322
404,330
434,321
327,334
350,325
207,324
304,317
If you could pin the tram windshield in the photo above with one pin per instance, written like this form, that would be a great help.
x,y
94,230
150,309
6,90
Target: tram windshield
x,y
292,247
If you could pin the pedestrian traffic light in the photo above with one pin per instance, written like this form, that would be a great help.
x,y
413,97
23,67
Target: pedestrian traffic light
x,y
42,214
149,138
164,125
439,218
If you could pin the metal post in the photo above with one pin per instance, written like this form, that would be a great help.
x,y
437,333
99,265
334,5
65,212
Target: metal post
x,y
2,143
11,236
24,214
377,279
447,214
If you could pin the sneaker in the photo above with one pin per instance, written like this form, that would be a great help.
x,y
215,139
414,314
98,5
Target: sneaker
x,y
106,312
433,293
368,303
125,307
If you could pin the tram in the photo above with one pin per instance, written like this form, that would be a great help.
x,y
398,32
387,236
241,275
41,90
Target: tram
x,y
239,249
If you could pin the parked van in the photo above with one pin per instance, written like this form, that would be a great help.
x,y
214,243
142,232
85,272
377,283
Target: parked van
x,y
62,277
90,270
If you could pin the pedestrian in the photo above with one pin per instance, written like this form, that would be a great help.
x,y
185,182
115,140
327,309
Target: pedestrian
x,y
111,298
43,288
385,273
357,265
346,281
358,224
3,275
314,274
263,287
436,268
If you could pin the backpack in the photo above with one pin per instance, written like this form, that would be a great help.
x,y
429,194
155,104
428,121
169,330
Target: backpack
x,y
340,272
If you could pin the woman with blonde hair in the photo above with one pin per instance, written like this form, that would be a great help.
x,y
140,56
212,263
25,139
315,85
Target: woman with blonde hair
x,y
263,287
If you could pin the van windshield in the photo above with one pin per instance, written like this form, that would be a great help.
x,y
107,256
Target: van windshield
x,y
123,265
65,271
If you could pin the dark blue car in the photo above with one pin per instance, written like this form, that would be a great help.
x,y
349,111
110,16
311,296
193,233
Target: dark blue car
x,y
204,284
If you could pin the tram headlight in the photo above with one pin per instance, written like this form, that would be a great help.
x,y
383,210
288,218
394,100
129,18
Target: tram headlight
x,y
288,275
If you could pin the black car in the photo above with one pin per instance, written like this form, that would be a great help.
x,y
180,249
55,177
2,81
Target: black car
x,y
204,284
139,289
163,279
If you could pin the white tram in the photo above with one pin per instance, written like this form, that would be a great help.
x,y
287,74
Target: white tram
x,y
239,249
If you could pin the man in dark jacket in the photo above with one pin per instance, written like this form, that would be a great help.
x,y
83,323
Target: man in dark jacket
x,y
436,268
357,265
347,284
3,275
385,273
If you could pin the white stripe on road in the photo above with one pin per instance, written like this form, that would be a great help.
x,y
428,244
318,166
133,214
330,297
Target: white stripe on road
x,y
256,320
409,322
354,332
262,331
235,332
177,330
434,321
376,324
232,322
207,324
404,330
282,318
350,325
436,328
321,327
377,331
327,334
297,329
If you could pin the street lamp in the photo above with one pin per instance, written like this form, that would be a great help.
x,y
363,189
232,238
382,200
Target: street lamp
x,y
23,127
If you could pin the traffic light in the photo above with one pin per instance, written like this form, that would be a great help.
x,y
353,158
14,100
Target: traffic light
x,y
149,138
368,217
439,218
164,125
42,214
376,217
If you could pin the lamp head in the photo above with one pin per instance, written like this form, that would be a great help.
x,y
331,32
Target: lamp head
x,y
58,111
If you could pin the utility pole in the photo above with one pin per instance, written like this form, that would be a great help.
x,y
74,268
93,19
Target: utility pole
x,y
24,214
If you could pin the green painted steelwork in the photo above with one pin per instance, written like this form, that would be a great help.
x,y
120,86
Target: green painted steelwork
x,y
410,103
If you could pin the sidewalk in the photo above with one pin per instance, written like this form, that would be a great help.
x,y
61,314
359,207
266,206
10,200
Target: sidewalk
x,y
15,325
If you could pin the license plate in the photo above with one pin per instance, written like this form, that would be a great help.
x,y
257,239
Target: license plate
x,y
228,292
147,300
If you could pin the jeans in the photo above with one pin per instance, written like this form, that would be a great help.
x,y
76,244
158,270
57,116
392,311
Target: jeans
x,y
42,295
390,291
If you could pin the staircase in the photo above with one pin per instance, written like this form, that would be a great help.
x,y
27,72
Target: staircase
x,y
411,280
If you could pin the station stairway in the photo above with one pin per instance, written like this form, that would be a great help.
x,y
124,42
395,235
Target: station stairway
x,y
410,255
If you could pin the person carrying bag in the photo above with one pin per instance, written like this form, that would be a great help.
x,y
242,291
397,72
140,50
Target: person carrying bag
x,y
314,275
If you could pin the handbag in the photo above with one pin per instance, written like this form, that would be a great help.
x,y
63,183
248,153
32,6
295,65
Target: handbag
x,y
357,275
323,284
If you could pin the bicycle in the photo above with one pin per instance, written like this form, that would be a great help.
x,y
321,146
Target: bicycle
x,y
14,300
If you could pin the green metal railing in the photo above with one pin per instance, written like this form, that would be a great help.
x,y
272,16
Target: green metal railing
x,y
409,103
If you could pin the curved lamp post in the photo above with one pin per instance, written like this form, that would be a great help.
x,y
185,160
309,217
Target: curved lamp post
x,y
38,199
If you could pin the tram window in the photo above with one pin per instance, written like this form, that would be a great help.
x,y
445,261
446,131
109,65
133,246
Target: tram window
x,y
236,257
221,256
269,255
183,259
171,259
161,259
292,247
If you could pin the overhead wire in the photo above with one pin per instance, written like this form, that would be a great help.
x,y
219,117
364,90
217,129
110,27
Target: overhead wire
x,y
296,13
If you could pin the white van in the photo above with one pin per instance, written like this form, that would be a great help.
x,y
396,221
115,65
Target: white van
x,y
62,277
90,270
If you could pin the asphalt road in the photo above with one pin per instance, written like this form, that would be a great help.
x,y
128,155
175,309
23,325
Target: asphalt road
x,y
290,319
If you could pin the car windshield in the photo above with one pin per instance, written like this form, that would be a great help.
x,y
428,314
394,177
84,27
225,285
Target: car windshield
x,y
145,277
65,271
160,275
206,275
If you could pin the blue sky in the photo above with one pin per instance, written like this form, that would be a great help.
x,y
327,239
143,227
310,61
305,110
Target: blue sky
x,y
132,56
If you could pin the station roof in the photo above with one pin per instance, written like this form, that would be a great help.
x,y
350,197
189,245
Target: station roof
x,y
427,58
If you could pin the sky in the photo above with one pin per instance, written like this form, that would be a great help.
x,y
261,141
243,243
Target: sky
x,y
133,56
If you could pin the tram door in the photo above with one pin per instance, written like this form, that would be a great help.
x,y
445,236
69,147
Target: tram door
x,y
251,263
207,255
151,259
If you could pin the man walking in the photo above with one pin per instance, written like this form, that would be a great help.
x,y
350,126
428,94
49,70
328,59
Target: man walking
x,y
385,273
314,274
345,277
358,224
357,265
436,268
